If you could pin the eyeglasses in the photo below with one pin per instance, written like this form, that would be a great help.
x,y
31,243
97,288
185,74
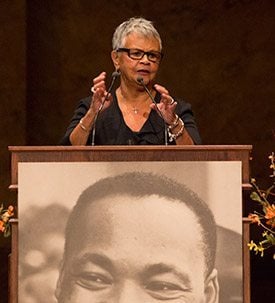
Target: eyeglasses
x,y
137,54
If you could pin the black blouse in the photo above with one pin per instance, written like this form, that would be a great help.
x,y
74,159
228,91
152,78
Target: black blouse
x,y
111,129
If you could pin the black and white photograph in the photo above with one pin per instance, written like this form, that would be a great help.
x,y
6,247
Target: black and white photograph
x,y
130,232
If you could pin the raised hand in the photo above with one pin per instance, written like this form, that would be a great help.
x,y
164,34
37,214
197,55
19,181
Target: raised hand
x,y
166,105
100,94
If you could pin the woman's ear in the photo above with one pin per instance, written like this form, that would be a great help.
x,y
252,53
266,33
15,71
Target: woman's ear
x,y
115,58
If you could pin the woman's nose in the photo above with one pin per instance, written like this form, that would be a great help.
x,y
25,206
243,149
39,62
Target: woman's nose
x,y
145,59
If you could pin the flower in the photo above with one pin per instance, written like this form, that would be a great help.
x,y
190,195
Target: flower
x,y
5,215
254,218
266,219
270,212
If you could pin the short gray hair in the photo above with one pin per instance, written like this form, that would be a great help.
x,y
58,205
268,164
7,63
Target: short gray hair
x,y
134,25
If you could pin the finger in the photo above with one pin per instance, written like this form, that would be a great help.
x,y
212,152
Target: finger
x,y
98,95
99,78
168,101
106,99
99,81
100,84
107,95
167,111
165,96
153,106
161,89
172,101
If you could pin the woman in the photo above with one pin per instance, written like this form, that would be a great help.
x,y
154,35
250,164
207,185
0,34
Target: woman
x,y
139,112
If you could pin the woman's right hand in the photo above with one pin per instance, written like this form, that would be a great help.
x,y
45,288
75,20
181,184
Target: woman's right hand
x,y
99,97
100,101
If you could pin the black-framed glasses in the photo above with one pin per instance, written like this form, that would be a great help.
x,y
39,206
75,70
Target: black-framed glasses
x,y
138,54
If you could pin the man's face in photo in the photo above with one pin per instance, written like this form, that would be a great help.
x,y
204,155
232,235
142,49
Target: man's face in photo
x,y
137,250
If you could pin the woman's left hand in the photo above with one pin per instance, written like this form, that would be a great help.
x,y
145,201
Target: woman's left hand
x,y
166,106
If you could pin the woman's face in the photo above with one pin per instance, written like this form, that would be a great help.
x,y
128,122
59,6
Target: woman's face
x,y
131,69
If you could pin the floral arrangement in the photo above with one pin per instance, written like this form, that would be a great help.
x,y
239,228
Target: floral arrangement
x,y
266,218
5,215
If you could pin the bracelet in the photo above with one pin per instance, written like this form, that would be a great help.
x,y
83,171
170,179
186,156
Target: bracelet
x,y
174,123
83,126
172,136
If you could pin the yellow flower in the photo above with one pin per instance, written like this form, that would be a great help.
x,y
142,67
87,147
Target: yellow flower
x,y
261,250
251,245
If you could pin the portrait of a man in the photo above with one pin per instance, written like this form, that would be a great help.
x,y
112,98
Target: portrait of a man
x,y
139,238
110,232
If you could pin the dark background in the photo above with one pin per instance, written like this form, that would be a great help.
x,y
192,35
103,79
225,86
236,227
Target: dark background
x,y
219,56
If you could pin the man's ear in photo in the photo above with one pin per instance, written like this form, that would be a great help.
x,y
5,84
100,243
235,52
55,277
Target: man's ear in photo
x,y
211,289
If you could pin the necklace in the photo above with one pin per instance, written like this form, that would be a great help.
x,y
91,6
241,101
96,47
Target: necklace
x,y
135,110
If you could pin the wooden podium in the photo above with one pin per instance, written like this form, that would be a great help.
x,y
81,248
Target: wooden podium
x,y
20,154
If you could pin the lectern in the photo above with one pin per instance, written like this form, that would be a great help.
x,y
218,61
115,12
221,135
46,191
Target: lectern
x,y
97,154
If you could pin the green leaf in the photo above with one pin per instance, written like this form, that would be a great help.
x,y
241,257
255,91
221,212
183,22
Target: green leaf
x,y
269,190
254,196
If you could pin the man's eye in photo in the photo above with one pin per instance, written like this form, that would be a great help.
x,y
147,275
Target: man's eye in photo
x,y
93,281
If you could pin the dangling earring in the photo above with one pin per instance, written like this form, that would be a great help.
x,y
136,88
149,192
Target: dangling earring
x,y
118,71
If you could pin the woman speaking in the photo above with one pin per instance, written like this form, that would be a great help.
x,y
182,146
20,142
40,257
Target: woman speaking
x,y
139,111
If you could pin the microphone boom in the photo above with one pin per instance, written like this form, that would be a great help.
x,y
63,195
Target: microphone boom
x,y
140,80
115,74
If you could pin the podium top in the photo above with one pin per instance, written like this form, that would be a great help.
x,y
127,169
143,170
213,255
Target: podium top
x,y
130,153
130,147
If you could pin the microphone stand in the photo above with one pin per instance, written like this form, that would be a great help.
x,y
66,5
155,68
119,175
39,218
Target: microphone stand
x,y
115,74
140,80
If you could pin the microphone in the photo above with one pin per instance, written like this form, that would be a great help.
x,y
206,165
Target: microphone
x,y
115,75
140,80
